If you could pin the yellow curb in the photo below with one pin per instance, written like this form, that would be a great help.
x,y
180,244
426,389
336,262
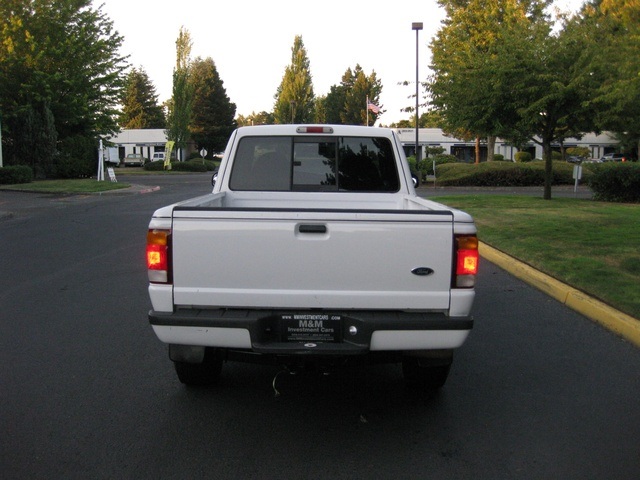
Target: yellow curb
x,y
618,322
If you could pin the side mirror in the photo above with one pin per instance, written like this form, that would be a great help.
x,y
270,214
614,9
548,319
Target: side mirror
x,y
214,178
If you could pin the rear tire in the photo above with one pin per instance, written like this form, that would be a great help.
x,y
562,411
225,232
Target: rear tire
x,y
424,377
201,374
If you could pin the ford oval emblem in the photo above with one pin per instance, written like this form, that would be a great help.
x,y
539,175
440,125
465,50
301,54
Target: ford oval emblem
x,y
422,271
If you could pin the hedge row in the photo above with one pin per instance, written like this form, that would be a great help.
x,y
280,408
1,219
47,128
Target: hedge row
x,y
194,165
616,182
15,174
504,174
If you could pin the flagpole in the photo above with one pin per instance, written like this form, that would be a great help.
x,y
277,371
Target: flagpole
x,y
366,107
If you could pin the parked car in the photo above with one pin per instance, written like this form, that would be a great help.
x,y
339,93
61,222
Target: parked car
x,y
614,157
575,159
134,159
158,157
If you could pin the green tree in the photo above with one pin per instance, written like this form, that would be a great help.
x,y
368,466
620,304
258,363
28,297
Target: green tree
x,y
181,102
334,104
212,119
551,90
320,115
464,87
359,87
262,118
140,108
346,103
612,28
520,81
294,99
35,137
60,80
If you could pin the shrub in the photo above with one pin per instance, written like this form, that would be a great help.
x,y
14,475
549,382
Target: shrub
x,y
156,166
189,166
522,157
497,157
504,174
440,159
194,165
433,151
15,174
617,182
77,159
583,152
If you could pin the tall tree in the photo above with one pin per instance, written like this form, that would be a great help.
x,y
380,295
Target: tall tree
x,y
212,119
464,86
613,30
551,90
262,118
359,88
181,102
347,103
294,100
59,69
334,103
520,81
140,108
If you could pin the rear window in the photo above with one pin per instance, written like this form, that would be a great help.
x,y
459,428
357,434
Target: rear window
x,y
315,164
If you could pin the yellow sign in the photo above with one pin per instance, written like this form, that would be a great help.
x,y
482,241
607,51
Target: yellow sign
x,y
167,154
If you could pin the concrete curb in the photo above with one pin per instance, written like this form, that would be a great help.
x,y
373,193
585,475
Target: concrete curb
x,y
618,322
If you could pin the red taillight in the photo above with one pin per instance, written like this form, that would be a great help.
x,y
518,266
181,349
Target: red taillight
x,y
158,255
466,261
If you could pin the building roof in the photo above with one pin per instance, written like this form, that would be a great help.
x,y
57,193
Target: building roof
x,y
140,137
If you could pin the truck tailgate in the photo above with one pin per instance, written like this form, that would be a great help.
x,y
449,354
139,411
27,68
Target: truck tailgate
x,y
302,259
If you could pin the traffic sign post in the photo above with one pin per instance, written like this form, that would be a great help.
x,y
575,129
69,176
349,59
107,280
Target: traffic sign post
x,y
577,175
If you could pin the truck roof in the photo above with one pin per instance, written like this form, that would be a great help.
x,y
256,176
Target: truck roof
x,y
316,129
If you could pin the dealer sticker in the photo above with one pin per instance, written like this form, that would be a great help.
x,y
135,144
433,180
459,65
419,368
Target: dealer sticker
x,y
311,327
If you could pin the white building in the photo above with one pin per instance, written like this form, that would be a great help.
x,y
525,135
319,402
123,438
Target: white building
x,y
150,141
145,141
598,145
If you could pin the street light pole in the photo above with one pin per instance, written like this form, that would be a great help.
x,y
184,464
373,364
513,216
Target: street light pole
x,y
417,26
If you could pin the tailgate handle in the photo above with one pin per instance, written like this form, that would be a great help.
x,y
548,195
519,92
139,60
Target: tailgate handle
x,y
312,228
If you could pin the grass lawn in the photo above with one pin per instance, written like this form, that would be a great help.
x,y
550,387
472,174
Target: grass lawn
x,y
592,246
87,185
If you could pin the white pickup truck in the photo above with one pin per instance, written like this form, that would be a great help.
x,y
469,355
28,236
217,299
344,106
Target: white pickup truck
x,y
312,249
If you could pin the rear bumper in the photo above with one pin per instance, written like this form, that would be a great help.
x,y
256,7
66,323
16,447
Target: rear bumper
x,y
262,331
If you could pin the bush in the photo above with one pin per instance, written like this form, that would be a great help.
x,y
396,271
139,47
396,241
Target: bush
x,y
440,159
77,159
555,155
504,174
189,166
522,157
617,182
156,166
15,174
194,165
583,152
434,151
497,157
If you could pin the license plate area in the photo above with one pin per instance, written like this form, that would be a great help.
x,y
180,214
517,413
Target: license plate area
x,y
310,327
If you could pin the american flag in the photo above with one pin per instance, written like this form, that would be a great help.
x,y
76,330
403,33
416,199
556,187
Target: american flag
x,y
374,108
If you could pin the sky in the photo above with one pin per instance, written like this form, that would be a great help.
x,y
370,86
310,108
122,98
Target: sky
x,y
250,43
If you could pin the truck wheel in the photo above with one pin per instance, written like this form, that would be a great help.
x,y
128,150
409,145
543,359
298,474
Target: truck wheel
x,y
431,377
201,374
